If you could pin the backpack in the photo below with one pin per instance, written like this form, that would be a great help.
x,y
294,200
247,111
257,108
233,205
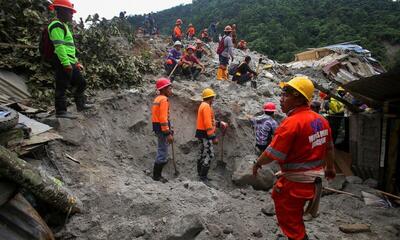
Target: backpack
x,y
221,46
46,47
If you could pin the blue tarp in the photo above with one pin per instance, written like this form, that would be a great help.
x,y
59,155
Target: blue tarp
x,y
344,48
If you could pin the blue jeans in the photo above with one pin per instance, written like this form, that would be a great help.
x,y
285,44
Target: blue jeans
x,y
162,149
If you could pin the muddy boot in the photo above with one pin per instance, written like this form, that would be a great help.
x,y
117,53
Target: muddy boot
x,y
65,114
81,104
162,179
157,172
203,174
198,168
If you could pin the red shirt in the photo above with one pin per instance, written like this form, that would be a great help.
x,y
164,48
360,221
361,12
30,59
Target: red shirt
x,y
301,141
191,58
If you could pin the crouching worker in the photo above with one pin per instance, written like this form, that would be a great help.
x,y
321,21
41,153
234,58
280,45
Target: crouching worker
x,y
173,58
206,133
302,146
191,65
162,126
244,73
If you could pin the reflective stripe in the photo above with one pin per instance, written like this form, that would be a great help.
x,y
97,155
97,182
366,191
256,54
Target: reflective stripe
x,y
276,153
304,165
163,124
63,43
156,104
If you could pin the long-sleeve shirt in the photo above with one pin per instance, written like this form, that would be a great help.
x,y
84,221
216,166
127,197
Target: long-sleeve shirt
x,y
174,55
63,42
228,44
265,127
244,68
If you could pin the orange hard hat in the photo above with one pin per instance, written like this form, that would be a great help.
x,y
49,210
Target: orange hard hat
x,y
179,21
162,83
62,3
269,107
228,29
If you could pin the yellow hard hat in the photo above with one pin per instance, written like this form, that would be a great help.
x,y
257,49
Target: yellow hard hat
x,y
340,89
303,85
208,92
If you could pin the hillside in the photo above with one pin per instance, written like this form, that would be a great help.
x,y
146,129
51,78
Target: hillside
x,y
280,28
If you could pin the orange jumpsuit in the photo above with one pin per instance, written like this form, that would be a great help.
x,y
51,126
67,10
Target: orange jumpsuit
x,y
299,145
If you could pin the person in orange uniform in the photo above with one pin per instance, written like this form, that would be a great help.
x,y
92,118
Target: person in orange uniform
x,y
191,31
302,145
162,126
206,133
177,32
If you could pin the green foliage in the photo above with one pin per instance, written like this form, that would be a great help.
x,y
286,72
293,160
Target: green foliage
x,y
280,28
104,48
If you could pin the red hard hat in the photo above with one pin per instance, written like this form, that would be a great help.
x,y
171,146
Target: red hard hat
x,y
169,61
162,83
269,107
179,21
62,3
191,47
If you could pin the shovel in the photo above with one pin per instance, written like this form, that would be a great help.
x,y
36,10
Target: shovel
x,y
173,70
173,160
254,81
221,161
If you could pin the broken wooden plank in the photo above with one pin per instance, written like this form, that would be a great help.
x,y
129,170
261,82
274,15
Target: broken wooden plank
x,y
16,45
41,138
44,187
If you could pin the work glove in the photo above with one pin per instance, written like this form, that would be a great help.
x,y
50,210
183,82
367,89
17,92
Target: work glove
x,y
256,166
330,173
215,141
170,139
79,66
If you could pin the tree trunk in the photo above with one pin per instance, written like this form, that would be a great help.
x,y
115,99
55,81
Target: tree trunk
x,y
44,187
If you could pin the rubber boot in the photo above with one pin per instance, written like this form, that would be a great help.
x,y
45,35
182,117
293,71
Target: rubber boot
x,y
204,173
226,74
220,73
162,179
157,173
198,168
81,104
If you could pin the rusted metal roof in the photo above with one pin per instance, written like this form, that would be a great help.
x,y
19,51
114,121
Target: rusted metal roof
x,y
379,88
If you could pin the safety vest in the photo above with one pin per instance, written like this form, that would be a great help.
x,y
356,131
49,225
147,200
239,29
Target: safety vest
x,y
301,141
205,122
178,32
191,31
160,115
64,46
335,107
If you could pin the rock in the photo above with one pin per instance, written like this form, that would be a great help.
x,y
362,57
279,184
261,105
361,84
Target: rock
x,y
138,126
188,147
269,210
264,90
243,175
354,228
186,227
51,121
370,182
230,237
214,230
227,229
354,180
257,234
336,183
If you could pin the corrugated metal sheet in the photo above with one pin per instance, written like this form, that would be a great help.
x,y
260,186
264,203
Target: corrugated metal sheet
x,y
380,88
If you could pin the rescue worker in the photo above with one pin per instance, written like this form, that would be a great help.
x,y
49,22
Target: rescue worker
x,y
199,49
336,114
206,133
234,35
162,126
302,145
173,58
222,72
264,126
66,65
242,45
177,32
191,66
204,36
244,73
191,31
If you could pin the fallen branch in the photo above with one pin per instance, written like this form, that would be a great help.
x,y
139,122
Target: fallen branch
x,y
42,186
340,192
72,159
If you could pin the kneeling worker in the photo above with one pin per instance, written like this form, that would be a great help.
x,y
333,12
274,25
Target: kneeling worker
x,y
302,145
206,128
191,65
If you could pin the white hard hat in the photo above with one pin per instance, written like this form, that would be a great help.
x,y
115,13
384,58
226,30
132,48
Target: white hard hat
x,y
177,43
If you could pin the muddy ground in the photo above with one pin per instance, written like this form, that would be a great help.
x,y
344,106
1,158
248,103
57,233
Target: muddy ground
x,y
116,148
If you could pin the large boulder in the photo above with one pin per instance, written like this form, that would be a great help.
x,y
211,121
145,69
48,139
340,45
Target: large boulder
x,y
185,228
243,176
